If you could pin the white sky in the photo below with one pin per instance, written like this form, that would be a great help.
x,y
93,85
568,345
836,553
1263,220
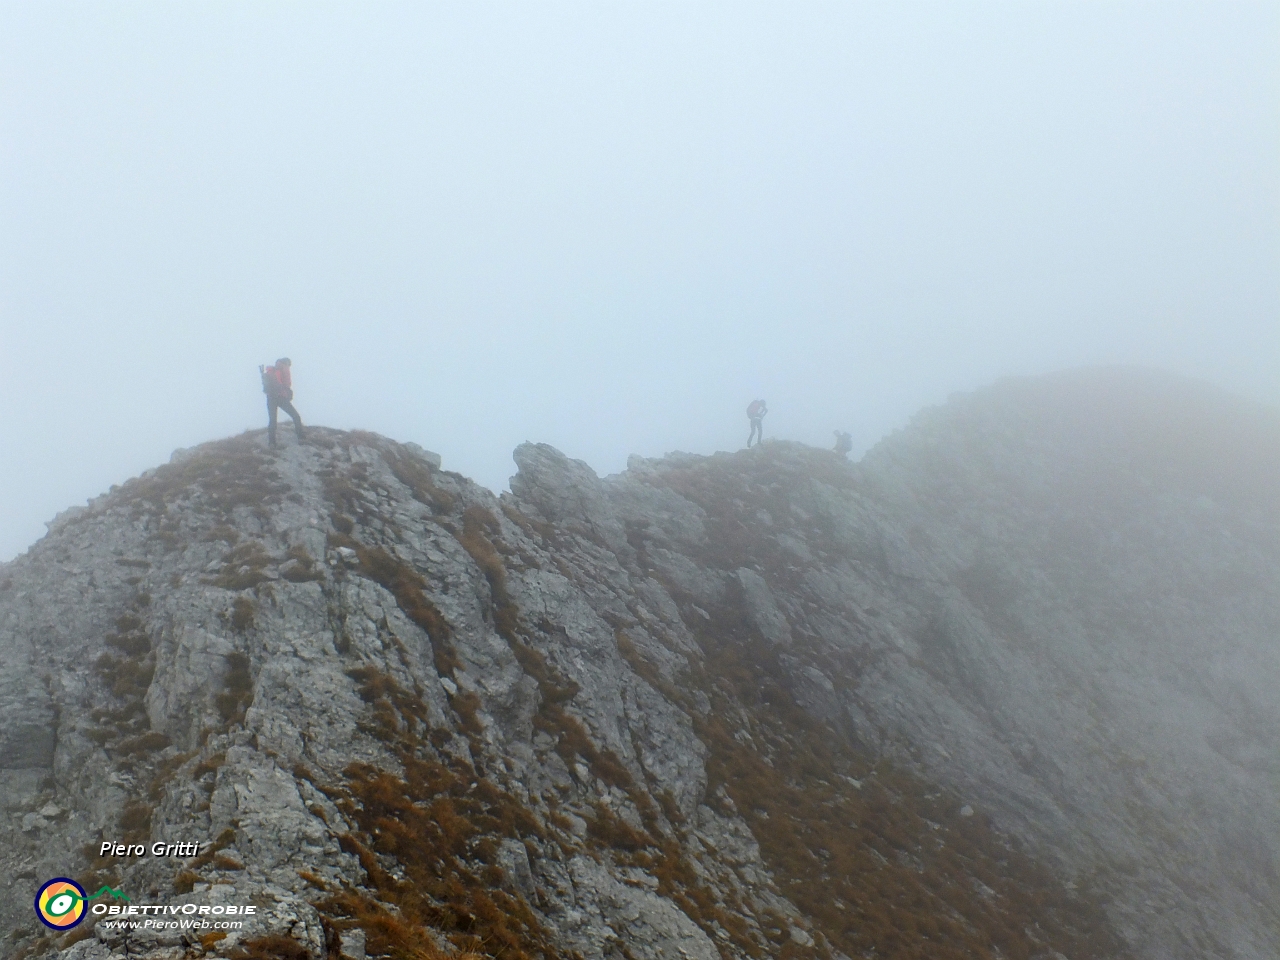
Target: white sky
x,y
610,226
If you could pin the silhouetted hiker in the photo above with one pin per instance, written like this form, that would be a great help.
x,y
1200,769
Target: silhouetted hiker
x,y
844,443
755,413
277,384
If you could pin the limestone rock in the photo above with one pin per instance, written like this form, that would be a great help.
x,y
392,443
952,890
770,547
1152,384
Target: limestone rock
x,y
567,492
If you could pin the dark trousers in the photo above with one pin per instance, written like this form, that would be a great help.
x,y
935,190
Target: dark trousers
x,y
274,403
757,430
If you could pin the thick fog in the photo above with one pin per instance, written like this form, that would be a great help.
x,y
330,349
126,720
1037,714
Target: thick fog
x,y
610,226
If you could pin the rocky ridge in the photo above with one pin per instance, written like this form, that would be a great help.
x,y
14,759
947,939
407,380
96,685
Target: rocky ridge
x,y
1005,688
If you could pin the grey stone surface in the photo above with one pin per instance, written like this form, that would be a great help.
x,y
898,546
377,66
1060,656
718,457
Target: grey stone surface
x,y
30,733
567,492
760,607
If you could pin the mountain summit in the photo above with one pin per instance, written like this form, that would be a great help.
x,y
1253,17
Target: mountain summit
x,y
1006,688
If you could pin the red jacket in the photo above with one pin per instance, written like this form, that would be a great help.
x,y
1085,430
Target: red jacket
x,y
281,380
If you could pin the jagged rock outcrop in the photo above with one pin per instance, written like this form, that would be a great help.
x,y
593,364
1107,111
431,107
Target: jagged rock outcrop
x,y
1005,688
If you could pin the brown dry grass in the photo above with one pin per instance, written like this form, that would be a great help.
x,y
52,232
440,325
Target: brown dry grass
x,y
220,477
209,764
135,822
83,932
225,839
237,689
305,569
146,743
185,881
438,822
242,614
419,477
480,530
245,567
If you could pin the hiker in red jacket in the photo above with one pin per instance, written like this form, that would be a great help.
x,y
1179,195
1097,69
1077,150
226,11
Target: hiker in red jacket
x,y
755,413
277,384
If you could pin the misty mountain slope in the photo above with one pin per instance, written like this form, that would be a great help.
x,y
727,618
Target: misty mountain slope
x,y
1000,690
1118,534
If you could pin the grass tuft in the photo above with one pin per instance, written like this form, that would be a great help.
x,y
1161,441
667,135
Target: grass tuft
x,y
419,477
237,691
242,612
146,743
221,478
135,822
478,527
304,568
274,947
185,881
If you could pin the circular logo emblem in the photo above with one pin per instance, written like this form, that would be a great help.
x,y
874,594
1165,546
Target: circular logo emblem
x,y
60,903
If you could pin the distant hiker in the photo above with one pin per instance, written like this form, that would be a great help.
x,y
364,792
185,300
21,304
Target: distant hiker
x,y
755,413
844,443
277,384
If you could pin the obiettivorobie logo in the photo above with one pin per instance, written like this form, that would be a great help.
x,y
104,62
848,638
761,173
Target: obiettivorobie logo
x,y
60,903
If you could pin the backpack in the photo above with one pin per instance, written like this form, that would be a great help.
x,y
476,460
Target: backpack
x,y
271,384
756,409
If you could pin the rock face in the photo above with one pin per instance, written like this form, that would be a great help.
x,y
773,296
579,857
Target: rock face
x,y
1005,688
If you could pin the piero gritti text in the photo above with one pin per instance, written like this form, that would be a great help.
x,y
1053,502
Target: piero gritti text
x,y
187,848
